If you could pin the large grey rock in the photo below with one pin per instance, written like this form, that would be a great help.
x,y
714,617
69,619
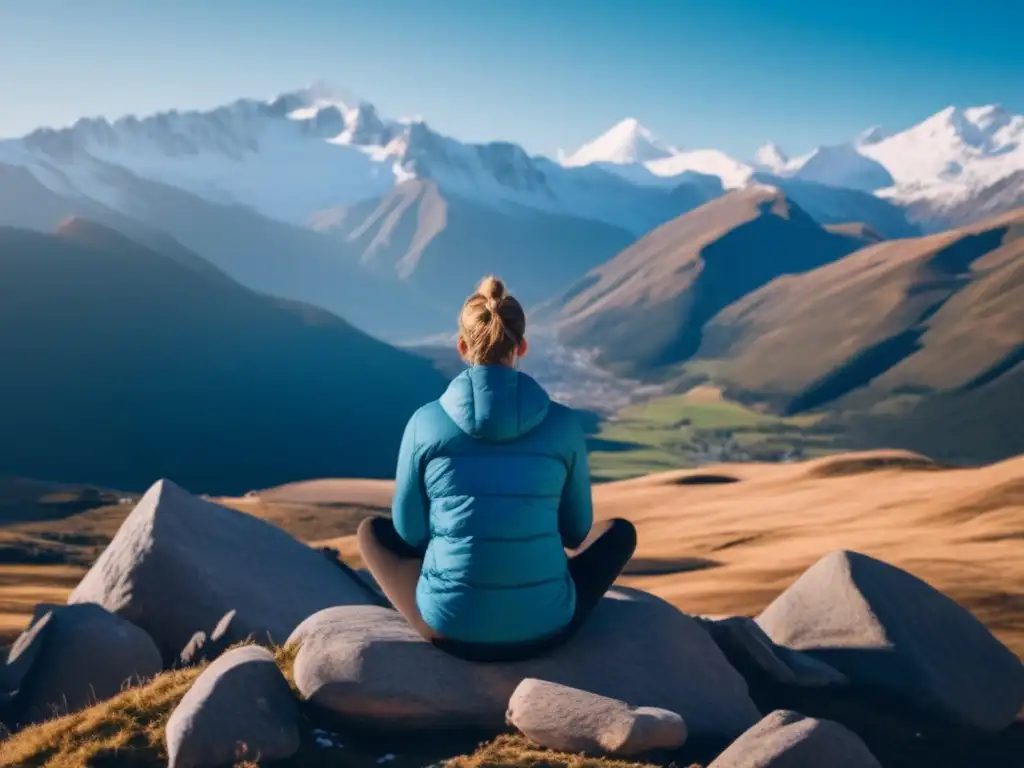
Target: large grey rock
x,y
239,708
79,654
570,720
745,644
367,664
22,655
787,739
889,631
179,564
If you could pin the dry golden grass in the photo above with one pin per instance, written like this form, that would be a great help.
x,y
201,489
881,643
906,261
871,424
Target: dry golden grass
x,y
131,723
125,730
709,548
961,530
516,751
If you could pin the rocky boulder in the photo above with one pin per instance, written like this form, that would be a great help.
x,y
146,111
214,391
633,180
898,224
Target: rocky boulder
x,y
787,739
239,708
569,720
888,631
73,656
367,664
179,564
747,646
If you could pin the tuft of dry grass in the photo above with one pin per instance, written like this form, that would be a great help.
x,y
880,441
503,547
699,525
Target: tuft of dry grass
x,y
515,751
127,730
132,723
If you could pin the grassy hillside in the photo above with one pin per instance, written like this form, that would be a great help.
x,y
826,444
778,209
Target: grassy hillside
x,y
696,428
123,364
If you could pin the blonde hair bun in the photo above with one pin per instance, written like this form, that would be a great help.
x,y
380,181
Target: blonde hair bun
x,y
492,323
492,288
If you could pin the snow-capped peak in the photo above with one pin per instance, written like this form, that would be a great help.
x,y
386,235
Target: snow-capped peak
x,y
304,103
624,143
870,136
989,119
771,156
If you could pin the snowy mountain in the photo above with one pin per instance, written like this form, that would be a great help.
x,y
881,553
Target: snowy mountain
x,y
935,169
624,143
320,148
770,157
842,165
310,194
633,152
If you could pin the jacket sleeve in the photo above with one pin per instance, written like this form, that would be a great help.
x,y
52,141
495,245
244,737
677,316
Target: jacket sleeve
x,y
409,507
576,509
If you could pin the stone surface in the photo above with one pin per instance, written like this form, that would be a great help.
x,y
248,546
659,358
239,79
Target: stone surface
x,y
239,708
888,631
746,645
569,720
22,655
178,564
367,664
79,654
787,739
205,647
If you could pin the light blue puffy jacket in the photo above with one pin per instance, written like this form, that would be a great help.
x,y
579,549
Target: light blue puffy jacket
x,y
492,483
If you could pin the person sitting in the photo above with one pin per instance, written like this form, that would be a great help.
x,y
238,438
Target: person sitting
x,y
492,487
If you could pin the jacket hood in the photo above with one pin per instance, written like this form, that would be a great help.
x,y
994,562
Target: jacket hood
x,y
495,403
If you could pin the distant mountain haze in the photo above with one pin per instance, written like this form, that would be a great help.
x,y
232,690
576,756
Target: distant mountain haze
x,y
124,364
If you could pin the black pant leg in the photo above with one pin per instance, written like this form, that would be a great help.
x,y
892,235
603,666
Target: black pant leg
x,y
595,568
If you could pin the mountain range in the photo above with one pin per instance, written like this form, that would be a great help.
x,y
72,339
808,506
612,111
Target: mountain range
x,y
314,196
875,283
913,342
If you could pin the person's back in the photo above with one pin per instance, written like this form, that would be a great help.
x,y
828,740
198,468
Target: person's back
x,y
491,488
506,487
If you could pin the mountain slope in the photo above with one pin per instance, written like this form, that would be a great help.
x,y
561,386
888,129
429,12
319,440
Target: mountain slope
x,y
440,244
891,334
839,205
123,365
645,308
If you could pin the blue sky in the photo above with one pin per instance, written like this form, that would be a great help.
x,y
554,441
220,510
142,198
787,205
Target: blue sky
x,y
549,75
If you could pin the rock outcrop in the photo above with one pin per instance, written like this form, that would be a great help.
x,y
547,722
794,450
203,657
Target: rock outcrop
x,y
747,646
70,657
239,708
569,720
787,739
179,564
888,631
367,664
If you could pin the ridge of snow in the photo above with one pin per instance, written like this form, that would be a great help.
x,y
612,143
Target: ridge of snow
x,y
625,143
314,149
771,157
630,151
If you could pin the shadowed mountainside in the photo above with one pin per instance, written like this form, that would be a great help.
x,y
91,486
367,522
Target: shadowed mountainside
x,y
645,309
921,339
262,254
120,360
